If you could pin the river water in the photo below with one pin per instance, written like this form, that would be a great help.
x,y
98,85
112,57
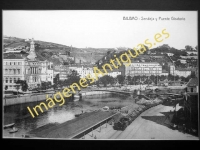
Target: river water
x,y
19,114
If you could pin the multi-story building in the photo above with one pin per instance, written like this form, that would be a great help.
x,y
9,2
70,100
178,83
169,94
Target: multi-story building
x,y
44,70
83,69
50,73
62,70
183,61
29,67
143,69
192,52
189,57
185,72
13,69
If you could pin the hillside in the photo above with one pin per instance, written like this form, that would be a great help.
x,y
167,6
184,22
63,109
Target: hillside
x,y
50,51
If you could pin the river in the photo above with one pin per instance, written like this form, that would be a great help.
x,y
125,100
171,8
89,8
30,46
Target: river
x,y
19,114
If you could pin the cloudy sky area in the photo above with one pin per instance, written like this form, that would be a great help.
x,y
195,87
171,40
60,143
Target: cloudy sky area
x,y
101,29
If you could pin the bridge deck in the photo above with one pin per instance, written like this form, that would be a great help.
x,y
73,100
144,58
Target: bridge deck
x,y
116,91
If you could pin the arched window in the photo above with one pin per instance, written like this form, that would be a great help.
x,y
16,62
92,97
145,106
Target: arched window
x,y
6,80
14,80
14,71
10,80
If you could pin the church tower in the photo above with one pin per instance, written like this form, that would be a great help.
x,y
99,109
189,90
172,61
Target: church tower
x,y
32,54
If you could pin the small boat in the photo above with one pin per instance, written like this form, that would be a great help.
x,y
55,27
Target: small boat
x,y
9,125
106,108
13,130
77,115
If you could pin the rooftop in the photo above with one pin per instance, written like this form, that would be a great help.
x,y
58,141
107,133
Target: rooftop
x,y
81,65
13,56
193,82
186,69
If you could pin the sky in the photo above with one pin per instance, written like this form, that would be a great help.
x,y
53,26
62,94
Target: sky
x,y
101,28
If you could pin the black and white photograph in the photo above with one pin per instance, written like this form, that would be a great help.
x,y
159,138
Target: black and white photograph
x,y
100,74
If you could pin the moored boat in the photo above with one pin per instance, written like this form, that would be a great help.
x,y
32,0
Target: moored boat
x,y
13,130
9,125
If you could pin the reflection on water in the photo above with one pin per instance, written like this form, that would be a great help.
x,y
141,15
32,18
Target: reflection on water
x,y
60,117
23,120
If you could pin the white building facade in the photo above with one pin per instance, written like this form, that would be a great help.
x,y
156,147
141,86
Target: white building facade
x,y
143,69
83,70
178,72
13,70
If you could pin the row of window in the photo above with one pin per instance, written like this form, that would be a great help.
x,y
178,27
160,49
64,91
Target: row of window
x,y
12,80
146,72
12,71
12,63
147,65
137,68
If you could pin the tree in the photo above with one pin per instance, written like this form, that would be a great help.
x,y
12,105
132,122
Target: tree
x,y
111,80
193,74
129,78
188,48
56,79
176,77
152,77
17,88
104,80
24,85
171,77
196,48
120,79
162,77
137,80
164,48
73,77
